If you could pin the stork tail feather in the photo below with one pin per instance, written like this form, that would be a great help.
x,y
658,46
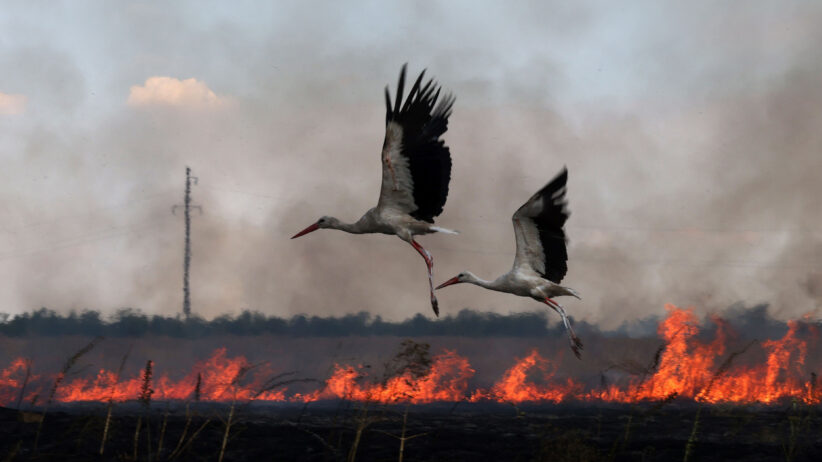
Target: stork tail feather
x,y
437,229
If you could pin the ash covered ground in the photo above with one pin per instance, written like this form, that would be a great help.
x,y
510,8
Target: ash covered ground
x,y
327,431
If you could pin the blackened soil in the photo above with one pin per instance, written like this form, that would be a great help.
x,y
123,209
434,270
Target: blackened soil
x,y
463,432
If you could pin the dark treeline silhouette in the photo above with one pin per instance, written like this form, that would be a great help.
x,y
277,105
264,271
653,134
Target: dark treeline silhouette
x,y
133,323
750,321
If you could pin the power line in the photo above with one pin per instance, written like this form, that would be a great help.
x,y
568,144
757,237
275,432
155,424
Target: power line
x,y
648,229
581,226
82,240
84,214
631,261
245,193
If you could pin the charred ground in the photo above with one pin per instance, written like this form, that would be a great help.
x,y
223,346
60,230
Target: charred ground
x,y
453,432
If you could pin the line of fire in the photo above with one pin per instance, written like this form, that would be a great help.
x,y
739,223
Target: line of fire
x,y
685,367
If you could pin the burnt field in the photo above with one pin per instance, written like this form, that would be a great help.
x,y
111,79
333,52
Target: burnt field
x,y
328,431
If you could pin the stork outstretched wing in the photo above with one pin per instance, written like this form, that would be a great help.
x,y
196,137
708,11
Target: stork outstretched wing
x,y
416,163
538,225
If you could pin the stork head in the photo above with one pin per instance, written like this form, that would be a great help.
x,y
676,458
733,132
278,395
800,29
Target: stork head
x,y
465,276
323,222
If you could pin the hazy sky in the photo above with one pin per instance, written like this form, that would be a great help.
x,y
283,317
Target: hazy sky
x,y
692,133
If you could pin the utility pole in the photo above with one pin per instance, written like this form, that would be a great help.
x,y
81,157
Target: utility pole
x,y
187,252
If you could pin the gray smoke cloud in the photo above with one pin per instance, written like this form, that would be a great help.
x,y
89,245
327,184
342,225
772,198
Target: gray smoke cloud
x,y
690,133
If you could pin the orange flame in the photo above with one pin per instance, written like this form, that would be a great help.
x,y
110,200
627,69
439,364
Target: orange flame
x,y
447,380
515,387
11,380
687,369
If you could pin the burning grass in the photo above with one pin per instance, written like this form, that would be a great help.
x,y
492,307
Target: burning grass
x,y
685,367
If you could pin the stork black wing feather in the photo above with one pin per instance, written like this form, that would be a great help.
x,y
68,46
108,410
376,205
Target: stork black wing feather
x,y
387,105
550,222
423,122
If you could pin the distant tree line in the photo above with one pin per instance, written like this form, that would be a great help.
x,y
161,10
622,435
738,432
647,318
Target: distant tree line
x,y
748,321
133,323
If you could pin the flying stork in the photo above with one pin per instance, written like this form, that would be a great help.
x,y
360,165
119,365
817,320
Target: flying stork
x,y
541,259
416,170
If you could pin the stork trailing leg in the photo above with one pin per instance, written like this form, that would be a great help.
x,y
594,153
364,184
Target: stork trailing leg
x,y
576,343
429,262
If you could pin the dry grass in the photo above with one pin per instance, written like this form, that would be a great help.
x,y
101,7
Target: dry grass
x,y
57,381
25,383
111,400
181,442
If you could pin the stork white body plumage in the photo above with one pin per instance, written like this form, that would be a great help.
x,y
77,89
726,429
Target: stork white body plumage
x,y
416,171
541,259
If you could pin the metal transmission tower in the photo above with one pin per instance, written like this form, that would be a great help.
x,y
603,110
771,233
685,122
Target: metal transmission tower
x,y
187,253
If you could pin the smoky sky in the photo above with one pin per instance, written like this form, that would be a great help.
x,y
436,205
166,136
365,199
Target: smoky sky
x,y
691,134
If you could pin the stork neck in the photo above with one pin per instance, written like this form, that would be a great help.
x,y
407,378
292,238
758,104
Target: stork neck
x,y
352,228
481,282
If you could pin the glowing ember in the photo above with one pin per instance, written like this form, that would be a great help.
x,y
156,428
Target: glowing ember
x,y
687,368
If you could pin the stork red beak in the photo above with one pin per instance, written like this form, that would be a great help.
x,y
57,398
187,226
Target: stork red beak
x,y
311,228
453,280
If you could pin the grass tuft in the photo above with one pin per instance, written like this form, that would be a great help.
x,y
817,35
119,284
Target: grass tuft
x,y
57,381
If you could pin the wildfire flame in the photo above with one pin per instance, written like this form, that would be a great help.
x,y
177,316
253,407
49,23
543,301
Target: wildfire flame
x,y
687,368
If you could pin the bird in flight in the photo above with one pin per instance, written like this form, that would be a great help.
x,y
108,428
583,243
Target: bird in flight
x,y
541,259
416,170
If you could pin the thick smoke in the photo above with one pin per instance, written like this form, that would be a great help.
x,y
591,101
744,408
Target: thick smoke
x,y
692,148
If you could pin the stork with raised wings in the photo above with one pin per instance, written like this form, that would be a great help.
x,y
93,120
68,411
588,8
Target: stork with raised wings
x,y
416,170
541,259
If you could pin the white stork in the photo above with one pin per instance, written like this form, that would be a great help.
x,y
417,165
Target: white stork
x,y
541,259
416,170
